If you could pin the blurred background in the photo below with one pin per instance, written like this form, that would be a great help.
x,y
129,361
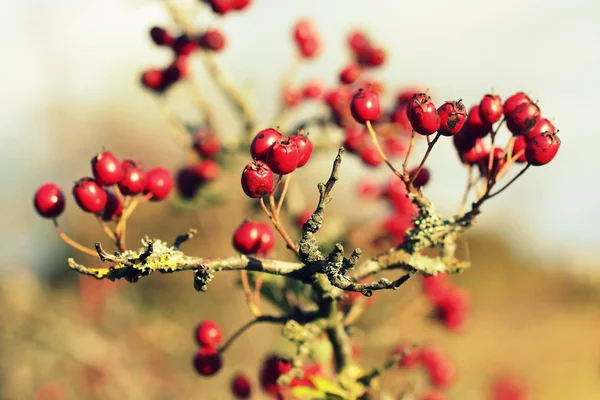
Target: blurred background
x,y
70,87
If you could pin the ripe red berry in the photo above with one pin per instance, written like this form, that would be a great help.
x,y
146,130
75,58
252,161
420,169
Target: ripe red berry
x,y
283,156
206,143
134,179
273,367
523,118
400,118
474,127
394,146
369,155
453,115
161,37
212,40
305,148
49,200
542,148
498,162
107,169
404,96
247,238
350,73
313,90
90,196
519,149
172,74
543,125
184,46
262,142
422,114
411,358
469,149
206,171
240,387
310,48
159,182
513,101
490,109
422,177
303,217
267,238
372,56
113,207
355,138
208,334
304,29
357,41
207,361
257,179
365,106
442,373
153,79
368,189
241,4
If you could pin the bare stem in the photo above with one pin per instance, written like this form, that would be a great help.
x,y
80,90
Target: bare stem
x,y
429,148
286,184
411,145
380,150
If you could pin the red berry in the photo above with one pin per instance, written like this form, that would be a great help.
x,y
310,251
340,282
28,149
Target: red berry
x,y
257,179
107,169
519,149
369,155
367,189
394,147
113,207
436,287
291,96
469,149
523,118
49,200
188,182
153,79
172,74
303,217
358,41
513,101
267,238
411,358
283,156
405,95
443,373
247,238
372,56
365,106
184,46
542,148
208,333
241,4
206,171
159,182
452,117
221,6
90,196
422,177
422,114
434,395
262,142
310,48
498,162
338,98
431,356
240,387
355,138
350,73
180,65
161,37
273,367
398,224
305,148
212,40
474,127
313,90
207,361
304,30
400,118
543,125
206,143
134,179
490,109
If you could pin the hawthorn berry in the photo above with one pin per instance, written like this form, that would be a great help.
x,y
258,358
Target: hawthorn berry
x,y
474,127
134,179
305,148
184,46
309,48
394,147
207,361
303,217
113,207
159,182
372,56
355,138
206,171
490,109
241,4
513,101
262,142
453,307
350,73
212,40
519,146
89,195
470,150
369,155
283,156
452,117
291,96
421,178
543,125
247,238
523,118
436,287
206,143
422,114
442,373
267,238
367,189
153,79
313,90
49,200
307,38
188,182
178,68
400,117
161,37
404,96
257,179
272,368
498,162
357,41
364,106
208,333
240,386
542,149
411,358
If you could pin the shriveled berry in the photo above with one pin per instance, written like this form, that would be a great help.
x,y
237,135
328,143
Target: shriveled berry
x,y
350,73
212,40
257,179
305,148
411,358
49,200
161,37
262,142
453,115
188,182
543,125
365,106
206,143
369,155
207,361
422,114
153,79
422,178
542,148
283,156
159,182
247,238
240,386
113,207
89,195
107,169
474,127
134,179
513,101
184,46
524,117
490,108
267,238
519,149
208,333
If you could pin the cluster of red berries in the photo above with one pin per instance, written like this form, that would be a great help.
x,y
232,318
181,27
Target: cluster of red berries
x,y
451,303
226,6
207,360
191,178
365,54
94,195
307,38
273,367
273,153
312,90
254,238
440,369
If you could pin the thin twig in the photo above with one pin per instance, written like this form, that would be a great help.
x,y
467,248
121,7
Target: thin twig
x,y
429,147
380,150
286,184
